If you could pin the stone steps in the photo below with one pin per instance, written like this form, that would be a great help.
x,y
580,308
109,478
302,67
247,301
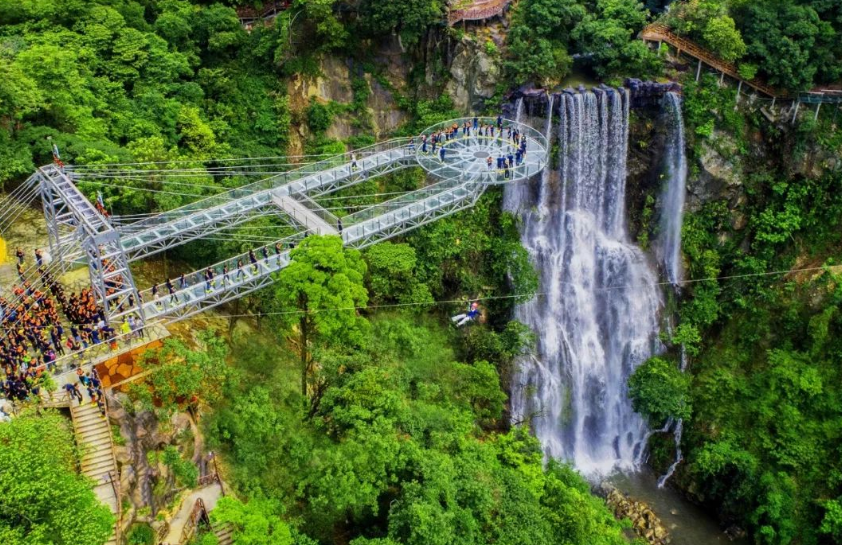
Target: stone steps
x,y
93,436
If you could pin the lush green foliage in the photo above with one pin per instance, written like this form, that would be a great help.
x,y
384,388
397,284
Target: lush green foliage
x,y
181,375
391,275
763,444
476,253
609,32
320,293
793,43
141,534
544,31
539,37
409,19
256,522
396,452
129,81
659,390
44,500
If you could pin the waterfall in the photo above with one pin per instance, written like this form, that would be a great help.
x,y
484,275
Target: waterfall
x,y
597,315
668,246
543,200
679,428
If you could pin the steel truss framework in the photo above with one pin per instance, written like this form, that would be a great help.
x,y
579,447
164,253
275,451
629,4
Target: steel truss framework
x,y
199,295
73,220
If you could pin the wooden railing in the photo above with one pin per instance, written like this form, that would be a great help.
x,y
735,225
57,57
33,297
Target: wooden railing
x,y
198,514
660,33
208,480
270,8
162,532
478,11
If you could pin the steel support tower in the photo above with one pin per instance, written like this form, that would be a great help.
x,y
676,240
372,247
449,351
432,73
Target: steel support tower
x,y
73,221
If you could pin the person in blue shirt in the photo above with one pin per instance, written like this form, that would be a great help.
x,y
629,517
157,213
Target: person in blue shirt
x,y
472,314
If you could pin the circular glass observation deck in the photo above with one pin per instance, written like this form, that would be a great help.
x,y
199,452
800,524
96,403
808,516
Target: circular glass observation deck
x,y
467,150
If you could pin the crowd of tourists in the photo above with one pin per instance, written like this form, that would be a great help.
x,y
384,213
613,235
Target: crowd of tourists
x,y
500,131
35,333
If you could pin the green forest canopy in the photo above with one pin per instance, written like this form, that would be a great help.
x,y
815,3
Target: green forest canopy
x,y
42,498
174,80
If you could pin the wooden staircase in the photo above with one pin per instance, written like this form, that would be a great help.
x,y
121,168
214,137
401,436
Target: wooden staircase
x,y
93,435
224,533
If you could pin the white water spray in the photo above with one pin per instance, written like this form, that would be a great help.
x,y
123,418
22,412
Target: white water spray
x,y
543,201
677,432
669,243
597,319
675,189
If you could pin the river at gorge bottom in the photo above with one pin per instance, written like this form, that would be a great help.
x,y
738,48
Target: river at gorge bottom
x,y
688,524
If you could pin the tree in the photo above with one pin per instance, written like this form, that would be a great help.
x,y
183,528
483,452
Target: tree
x,y
607,35
329,32
722,36
790,43
319,293
832,520
391,275
659,390
180,374
257,522
409,19
538,40
42,498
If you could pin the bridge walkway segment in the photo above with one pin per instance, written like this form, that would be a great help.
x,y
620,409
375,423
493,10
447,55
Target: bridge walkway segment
x,y
367,227
234,207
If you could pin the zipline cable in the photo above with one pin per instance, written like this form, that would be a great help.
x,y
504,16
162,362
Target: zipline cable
x,y
517,296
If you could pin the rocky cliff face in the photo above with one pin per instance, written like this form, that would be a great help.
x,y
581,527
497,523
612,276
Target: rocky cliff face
x,y
475,72
718,174
380,114
146,482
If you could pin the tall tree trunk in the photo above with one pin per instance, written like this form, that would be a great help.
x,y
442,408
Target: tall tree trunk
x,y
302,348
304,333
232,320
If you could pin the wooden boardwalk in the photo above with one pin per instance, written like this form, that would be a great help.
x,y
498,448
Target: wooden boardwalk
x,y
249,15
478,10
661,34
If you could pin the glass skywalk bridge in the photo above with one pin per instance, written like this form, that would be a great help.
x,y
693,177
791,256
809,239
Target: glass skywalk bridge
x,y
461,175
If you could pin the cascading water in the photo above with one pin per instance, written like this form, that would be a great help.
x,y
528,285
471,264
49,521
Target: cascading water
x,y
518,109
597,315
669,241
677,432
672,202
543,208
